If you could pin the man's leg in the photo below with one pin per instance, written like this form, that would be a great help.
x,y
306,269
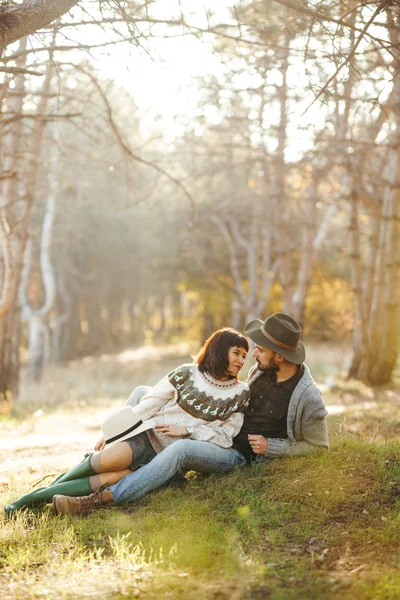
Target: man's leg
x,y
183,455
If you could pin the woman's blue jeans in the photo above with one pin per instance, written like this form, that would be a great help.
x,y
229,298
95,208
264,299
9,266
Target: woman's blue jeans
x,y
181,456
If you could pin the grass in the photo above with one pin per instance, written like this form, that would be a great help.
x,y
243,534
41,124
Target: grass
x,y
326,526
319,527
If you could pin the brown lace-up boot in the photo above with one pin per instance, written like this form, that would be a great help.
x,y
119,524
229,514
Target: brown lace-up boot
x,y
67,505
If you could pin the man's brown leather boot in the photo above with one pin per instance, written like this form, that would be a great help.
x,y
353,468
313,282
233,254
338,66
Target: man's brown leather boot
x,y
67,505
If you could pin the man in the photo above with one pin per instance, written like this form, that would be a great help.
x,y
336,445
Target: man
x,y
285,417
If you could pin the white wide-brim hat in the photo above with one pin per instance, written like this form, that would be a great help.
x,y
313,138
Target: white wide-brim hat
x,y
123,424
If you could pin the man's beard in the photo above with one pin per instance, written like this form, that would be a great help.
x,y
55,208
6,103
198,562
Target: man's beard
x,y
272,368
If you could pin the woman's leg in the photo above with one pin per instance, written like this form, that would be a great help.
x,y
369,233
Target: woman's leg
x,y
113,458
106,479
101,468
92,463
182,455
75,487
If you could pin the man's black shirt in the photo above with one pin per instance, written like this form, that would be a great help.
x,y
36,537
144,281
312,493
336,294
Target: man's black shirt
x,y
266,414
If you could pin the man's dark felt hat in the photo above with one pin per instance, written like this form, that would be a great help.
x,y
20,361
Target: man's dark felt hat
x,y
280,333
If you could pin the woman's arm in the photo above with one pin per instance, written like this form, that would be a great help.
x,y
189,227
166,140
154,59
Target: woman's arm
x,y
220,433
149,404
159,395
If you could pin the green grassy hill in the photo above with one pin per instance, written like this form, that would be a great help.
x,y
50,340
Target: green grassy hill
x,y
319,527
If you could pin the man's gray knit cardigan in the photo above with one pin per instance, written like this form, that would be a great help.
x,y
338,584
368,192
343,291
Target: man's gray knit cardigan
x,y
306,420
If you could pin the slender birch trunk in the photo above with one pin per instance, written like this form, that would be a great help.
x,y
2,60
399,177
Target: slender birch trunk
x,y
307,254
39,338
17,200
13,242
283,237
251,290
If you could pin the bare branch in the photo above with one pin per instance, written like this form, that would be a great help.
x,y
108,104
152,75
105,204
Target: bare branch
x,y
128,150
39,117
16,70
17,21
379,9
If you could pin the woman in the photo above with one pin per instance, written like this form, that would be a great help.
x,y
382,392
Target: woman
x,y
201,401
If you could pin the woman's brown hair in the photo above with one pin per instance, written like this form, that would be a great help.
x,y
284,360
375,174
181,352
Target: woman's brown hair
x,y
212,358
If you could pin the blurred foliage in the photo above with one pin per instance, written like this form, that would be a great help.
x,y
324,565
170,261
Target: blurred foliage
x,y
329,312
131,263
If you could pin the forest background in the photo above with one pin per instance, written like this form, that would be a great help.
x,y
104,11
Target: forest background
x,y
258,171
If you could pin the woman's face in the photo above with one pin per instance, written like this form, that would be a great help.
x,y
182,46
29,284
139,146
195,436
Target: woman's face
x,y
236,358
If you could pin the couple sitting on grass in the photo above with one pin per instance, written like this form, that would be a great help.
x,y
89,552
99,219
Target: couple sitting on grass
x,y
200,417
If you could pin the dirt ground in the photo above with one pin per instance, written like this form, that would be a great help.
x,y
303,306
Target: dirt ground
x,y
58,420
46,444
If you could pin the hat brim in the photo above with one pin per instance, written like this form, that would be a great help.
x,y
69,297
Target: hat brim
x,y
253,331
144,427
127,431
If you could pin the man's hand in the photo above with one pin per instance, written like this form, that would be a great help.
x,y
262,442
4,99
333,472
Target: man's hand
x,y
100,445
172,430
258,443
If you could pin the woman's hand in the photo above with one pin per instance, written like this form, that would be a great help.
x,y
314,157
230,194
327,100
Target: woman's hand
x,y
172,430
100,445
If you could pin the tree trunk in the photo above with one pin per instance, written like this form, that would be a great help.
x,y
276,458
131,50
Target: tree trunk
x,y
38,347
18,214
29,16
9,353
38,329
360,329
96,328
377,367
10,322
70,335
307,254
285,266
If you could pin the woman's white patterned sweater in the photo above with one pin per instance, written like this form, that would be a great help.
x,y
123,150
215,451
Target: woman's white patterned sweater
x,y
188,397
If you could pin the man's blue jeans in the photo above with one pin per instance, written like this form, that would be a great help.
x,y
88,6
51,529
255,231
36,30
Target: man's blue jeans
x,y
181,456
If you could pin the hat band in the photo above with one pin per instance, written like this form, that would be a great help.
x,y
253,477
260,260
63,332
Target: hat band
x,y
116,437
277,342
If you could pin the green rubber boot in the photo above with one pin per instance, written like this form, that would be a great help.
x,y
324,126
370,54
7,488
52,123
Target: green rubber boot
x,y
83,469
76,487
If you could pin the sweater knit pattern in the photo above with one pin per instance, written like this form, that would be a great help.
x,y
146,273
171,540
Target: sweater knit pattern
x,y
206,404
167,404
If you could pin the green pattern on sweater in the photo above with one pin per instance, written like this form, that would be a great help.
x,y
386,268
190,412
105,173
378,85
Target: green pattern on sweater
x,y
202,405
